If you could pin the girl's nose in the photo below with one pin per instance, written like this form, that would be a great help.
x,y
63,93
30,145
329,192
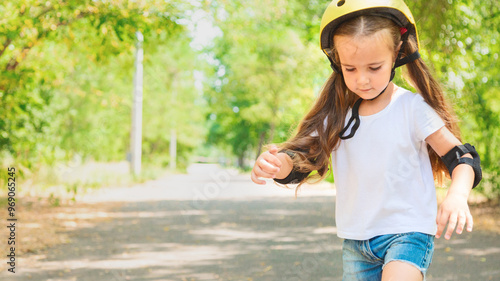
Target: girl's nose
x,y
363,79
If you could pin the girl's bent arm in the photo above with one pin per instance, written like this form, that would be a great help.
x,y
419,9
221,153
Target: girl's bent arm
x,y
271,164
454,209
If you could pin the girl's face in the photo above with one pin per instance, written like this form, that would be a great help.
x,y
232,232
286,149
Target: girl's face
x,y
366,62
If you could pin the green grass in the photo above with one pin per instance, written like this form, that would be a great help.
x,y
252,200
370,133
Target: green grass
x,y
62,183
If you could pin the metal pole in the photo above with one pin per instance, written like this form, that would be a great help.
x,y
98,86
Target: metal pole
x,y
173,133
173,149
136,133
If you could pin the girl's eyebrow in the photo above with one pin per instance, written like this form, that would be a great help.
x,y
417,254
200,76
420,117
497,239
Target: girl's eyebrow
x,y
370,64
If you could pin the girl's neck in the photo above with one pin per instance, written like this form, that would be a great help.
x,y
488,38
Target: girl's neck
x,y
370,107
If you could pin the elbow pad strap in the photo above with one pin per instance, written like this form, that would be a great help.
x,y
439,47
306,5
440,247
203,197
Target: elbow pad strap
x,y
454,158
295,176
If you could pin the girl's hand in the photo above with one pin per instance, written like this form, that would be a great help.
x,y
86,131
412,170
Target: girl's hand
x,y
454,211
266,166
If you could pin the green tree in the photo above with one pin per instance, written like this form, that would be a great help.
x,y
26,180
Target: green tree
x,y
173,104
460,39
265,78
264,75
45,44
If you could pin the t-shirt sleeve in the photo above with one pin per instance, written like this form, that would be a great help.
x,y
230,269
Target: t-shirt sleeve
x,y
426,120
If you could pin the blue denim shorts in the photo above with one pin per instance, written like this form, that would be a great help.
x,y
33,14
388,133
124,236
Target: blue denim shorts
x,y
364,260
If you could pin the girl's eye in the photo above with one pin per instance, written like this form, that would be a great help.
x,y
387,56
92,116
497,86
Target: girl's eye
x,y
349,69
375,68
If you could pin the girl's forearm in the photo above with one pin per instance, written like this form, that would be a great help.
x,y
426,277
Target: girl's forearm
x,y
462,181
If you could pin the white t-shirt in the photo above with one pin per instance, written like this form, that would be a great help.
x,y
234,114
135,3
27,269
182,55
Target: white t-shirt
x,y
383,174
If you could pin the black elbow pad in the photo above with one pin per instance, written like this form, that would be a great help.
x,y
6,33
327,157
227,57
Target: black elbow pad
x,y
454,158
295,176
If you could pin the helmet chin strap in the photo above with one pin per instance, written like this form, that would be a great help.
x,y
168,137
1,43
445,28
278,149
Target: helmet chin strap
x,y
380,92
393,73
355,111
355,116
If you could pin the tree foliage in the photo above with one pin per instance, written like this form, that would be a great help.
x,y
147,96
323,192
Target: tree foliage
x,y
264,80
460,39
269,70
173,101
65,71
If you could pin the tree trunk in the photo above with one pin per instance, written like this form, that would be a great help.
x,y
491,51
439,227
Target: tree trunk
x,y
272,129
241,160
262,137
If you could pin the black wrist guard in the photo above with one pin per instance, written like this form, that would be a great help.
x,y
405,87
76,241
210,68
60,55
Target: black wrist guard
x,y
454,158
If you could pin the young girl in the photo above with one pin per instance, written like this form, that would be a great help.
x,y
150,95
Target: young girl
x,y
386,145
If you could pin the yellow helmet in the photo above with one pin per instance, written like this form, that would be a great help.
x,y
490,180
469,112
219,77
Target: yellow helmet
x,y
340,11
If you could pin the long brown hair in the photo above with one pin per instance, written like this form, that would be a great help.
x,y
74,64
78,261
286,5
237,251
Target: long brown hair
x,y
318,133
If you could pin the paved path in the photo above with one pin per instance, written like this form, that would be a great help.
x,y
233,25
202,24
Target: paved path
x,y
213,224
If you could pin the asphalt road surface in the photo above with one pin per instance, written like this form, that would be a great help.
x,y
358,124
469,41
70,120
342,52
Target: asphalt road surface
x,y
214,224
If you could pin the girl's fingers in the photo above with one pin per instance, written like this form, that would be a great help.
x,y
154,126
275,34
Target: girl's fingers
x,y
470,222
269,164
457,219
273,149
266,166
452,223
441,222
462,219
260,173
256,180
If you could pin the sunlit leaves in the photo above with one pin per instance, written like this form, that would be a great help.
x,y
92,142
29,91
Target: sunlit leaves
x,y
269,69
44,45
460,39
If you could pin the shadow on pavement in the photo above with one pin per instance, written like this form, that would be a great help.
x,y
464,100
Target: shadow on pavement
x,y
272,237
267,239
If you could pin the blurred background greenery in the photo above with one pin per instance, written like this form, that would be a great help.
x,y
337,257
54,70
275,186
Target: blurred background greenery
x,y
226,76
